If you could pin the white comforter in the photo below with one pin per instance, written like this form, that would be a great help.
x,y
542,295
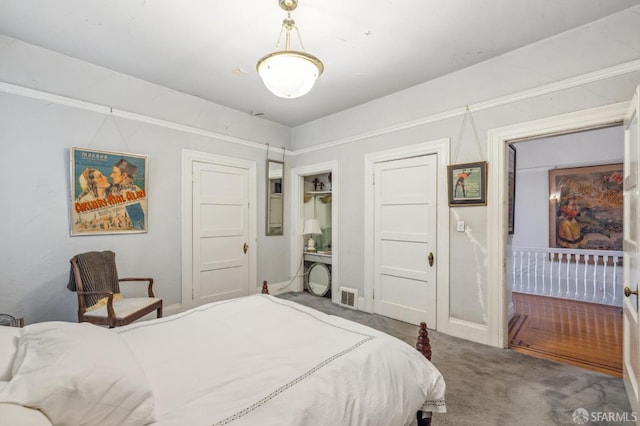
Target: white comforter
x,y
261,360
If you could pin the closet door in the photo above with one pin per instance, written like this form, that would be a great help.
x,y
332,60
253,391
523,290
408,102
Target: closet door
x,y
220,232
405,239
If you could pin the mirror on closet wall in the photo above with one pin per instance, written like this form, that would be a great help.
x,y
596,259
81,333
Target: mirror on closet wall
x,y
275,197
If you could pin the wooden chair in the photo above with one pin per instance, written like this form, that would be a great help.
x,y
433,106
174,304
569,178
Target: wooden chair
x,y
94,278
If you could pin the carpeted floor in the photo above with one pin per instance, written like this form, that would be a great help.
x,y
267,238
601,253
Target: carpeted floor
x,y
492,386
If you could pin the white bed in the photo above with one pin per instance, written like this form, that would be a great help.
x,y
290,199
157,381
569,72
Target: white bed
x,y
247,361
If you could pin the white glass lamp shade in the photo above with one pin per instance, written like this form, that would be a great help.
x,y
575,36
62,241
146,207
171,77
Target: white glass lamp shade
x,y
289,73
311,227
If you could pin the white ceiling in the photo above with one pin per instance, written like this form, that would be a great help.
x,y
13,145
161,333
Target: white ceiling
x,y
370,48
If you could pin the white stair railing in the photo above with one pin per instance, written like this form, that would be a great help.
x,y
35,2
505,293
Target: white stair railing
x,y
585,275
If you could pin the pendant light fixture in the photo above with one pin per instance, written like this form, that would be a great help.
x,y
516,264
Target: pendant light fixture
x,y
289,73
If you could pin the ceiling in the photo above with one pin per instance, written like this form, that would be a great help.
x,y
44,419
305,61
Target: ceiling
x,y
370,48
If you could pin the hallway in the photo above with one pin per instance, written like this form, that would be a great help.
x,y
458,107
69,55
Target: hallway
x,y
587,335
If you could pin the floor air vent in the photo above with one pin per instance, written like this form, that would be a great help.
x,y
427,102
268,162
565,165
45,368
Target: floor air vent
x,y
349,297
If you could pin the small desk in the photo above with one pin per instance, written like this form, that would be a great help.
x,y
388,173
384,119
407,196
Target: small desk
x,y
317,258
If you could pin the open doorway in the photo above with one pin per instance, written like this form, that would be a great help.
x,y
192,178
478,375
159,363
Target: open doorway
x,y
314,200
564,265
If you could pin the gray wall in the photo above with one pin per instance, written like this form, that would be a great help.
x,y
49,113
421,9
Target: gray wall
x,y
36,135
590,66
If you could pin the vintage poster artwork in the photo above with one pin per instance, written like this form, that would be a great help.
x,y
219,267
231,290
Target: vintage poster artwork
x,y
467,184
586,207
108,192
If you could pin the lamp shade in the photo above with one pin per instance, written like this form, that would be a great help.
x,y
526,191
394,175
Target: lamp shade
x,y
288,73
311,227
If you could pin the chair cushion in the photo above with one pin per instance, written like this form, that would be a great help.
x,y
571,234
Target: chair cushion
x,y
79,374
123,307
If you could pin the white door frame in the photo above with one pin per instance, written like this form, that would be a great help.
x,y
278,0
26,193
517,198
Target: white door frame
x,y
441,149
188,158
497,303
297,219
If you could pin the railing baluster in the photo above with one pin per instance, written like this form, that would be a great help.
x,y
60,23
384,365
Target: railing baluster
x,y
529,271
521,263
513,271
605,260
568,259
535,271
575,278
560,274
595,274
551,273
614,284
544,263
586,269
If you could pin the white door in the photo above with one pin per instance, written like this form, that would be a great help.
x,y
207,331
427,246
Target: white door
x,y
405,239
631,340
220,232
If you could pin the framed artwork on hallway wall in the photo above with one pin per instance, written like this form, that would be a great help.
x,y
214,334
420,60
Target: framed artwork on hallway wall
x,y
586,207
467,184
511,186
108,192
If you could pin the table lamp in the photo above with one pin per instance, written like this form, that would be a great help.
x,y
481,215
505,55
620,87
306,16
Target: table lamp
x,y
311,228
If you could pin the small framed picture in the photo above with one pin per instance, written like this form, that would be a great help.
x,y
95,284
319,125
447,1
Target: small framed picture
x,y
467,184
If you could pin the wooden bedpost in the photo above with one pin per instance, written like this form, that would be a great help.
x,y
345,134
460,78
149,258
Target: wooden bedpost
x,y
422,345
265,288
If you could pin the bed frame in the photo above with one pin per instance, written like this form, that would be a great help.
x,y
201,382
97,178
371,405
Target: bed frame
x,y
422,345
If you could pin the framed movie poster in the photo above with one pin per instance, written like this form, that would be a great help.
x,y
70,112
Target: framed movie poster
x,y
586,207
467,184
108,192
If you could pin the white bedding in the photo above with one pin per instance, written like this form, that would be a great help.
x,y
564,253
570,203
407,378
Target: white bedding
x,y
78,374
267,361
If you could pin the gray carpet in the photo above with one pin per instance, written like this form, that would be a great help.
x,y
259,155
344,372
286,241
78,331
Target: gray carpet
x,y
492,386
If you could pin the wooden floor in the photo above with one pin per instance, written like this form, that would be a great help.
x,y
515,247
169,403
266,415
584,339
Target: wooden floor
x,y
578,333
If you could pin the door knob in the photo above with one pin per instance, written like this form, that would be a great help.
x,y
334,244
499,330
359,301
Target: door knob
x,y
628,292
430,259
245,247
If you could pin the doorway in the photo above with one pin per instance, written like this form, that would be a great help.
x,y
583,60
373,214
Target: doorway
x,y
330,194
557,315
498,300
218,228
